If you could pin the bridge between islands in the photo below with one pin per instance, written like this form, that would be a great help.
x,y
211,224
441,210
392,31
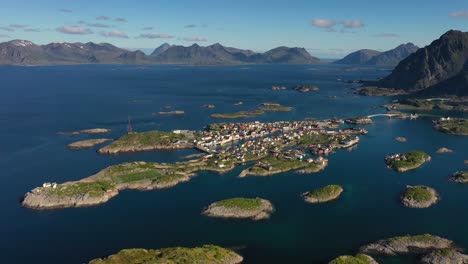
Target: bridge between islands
x,y
389,115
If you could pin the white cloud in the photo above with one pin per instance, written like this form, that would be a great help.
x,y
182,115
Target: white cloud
x,y
4,36
190,26
120,19
195,39
156,36
64,10
17,26
114,34
323,23
462,14
74,30
98,25
353,24
385,35
31,30
103,18
148,28
9,29
81,22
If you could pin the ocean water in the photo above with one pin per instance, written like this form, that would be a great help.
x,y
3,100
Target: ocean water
x,y
37,102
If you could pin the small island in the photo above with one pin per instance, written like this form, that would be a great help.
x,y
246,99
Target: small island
x,y
151,140
444,150
359,121
206,254
88,143
460,176
401,139
418,244
209,106
407,161
90,131
283,162
255,209
452,126
306,88
325,194
419,197
175,112
265,107
278,87
358,259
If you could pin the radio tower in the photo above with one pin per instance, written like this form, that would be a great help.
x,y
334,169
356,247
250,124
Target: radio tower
x,y
129,126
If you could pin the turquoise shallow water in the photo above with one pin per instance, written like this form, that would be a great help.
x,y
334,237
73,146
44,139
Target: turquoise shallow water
x,y
37,102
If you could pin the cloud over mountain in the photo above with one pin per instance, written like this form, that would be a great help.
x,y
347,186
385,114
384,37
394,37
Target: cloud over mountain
x,y
74,30
156,36
114,34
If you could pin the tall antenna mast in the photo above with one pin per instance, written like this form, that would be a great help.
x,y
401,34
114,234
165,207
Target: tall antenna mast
x,y
129,126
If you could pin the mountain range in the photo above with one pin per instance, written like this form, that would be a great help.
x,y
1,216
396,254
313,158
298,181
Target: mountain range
x,y
22,52
373,57
437,69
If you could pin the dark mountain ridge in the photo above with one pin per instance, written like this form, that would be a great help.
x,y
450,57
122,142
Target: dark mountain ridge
x,y
21,52
372,57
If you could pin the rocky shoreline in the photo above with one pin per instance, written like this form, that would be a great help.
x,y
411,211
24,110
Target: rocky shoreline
x,y
419,197
323,195
129,149
227,209
88,143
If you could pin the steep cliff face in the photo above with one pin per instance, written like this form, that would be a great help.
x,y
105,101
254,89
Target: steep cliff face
x,y
440,67
394,56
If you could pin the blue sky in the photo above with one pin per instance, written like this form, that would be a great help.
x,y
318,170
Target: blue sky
x,y
327,29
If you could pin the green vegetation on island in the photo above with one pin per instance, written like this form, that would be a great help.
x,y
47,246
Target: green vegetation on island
x,y
150,140
324,194
453,126
407,161
419,196
417,244
428,104
265,107
358,259
252,208
241,203
209,254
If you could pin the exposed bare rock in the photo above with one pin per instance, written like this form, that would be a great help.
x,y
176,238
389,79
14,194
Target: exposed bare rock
x,y
88,143
445,256
444,150
256,209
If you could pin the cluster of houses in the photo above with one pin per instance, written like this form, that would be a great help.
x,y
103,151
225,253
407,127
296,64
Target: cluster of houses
x,y
394,157
52,185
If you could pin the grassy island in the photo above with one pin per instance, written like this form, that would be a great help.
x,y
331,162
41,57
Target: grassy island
x,y
324,194
419,196
417,244
358,259
460,176
206,254
453,126
253,208
272,165
150,140
407,161
265,107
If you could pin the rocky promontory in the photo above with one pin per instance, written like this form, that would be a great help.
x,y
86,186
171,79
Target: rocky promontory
x,y
324,194
207,254
88,143
419,196
403,162
255,209
445,256
444,150
418,244
145,141
460,176
358,259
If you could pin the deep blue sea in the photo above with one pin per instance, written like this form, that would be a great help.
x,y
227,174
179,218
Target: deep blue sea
x,y
37,102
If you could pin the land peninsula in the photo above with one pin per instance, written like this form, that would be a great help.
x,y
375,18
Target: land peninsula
x,y
88,143
255,209
407,161
452,104
151,140
265,107
453,126
325,194
207,254
175,112
282,144
419,196
90,131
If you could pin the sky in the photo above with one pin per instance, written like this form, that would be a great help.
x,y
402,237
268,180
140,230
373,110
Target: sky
x,y
327,29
